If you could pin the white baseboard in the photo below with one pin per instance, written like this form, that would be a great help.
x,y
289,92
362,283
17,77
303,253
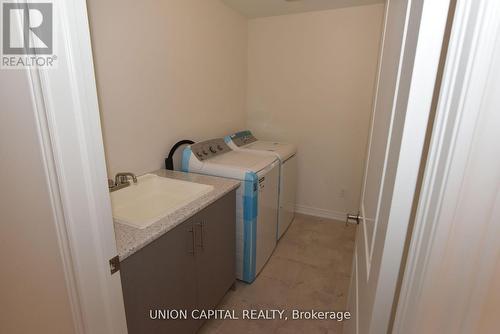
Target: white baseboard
x,y
323,213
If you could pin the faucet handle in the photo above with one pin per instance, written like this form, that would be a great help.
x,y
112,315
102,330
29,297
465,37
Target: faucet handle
x,y
122,178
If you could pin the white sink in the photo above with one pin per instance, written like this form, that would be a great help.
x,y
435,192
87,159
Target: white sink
x,y
153,198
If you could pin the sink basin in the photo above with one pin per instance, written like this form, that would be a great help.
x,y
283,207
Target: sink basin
x,y
153,198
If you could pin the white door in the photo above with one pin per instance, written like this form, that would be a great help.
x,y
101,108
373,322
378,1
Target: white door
x,y
410,53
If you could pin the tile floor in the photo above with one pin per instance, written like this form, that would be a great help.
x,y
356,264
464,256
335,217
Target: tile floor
x,y
310,269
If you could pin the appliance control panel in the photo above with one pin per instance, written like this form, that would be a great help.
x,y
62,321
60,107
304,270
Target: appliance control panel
x,y
210,148
243,138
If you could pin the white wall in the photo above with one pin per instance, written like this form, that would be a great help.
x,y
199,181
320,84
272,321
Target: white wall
x,y
180,69
166,70
33,294
489,321
310,82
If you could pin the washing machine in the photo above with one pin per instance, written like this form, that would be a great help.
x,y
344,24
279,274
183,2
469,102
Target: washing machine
x,y
286,153
256,198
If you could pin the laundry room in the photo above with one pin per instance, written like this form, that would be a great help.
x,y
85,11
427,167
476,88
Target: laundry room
x,y
247,124
249,166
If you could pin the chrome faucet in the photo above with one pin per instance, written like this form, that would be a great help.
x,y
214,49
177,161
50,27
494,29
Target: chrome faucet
x,y
123,178
121,181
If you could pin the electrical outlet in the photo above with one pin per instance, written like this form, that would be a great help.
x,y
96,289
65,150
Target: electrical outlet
x,y
342,193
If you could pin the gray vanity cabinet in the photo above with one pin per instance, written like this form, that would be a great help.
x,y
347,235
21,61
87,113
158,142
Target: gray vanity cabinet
x,y
161,276
190,267
215,252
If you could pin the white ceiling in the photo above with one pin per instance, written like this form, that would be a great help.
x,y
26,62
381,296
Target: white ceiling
x,y
260,8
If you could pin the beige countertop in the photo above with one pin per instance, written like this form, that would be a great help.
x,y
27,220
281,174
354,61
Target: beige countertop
x,y
129,239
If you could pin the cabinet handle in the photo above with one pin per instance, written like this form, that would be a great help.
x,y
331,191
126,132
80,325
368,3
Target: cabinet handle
x,y
201,225
193,240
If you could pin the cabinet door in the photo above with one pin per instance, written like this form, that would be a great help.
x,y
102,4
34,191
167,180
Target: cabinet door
x,y
161,276
215,250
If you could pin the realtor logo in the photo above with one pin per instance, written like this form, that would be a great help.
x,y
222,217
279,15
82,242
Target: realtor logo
x,y
27,34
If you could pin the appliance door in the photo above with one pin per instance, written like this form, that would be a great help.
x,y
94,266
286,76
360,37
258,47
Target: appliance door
x,y
288,190
267,218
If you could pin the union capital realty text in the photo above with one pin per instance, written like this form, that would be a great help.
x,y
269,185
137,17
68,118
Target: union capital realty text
x,y
248,314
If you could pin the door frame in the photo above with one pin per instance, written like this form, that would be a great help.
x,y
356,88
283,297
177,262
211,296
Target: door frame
x,y
475,35
69,130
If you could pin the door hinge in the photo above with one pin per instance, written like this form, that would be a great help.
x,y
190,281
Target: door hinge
x,y
352,217
114,265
